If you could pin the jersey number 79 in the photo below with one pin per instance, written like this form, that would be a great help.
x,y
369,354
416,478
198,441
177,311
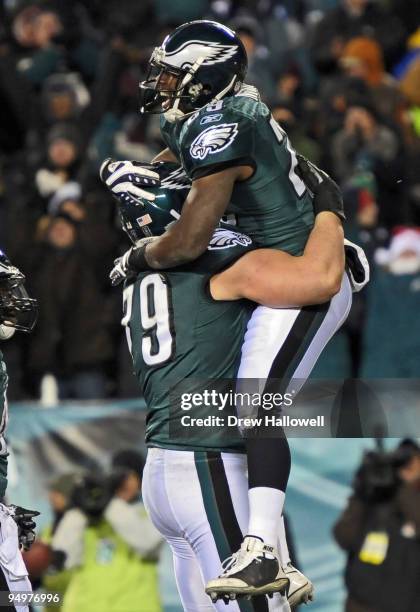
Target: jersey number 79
x,y
152,323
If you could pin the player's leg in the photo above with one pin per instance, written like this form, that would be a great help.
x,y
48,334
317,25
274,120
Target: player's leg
x,y
298,339
173,498
201,505
159,507
13,573
279,345
223,482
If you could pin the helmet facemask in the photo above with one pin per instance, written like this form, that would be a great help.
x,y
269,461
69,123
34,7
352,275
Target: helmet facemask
x,y
181,100
17,309
157,99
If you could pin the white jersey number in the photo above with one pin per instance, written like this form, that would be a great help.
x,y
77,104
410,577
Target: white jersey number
x,y
158,341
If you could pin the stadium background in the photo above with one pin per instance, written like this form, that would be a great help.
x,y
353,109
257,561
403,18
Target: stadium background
x,y
51,441
342,77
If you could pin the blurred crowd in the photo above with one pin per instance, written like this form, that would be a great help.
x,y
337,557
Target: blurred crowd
x,y
341,76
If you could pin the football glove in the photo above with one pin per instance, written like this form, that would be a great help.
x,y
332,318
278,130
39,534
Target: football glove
x,y
326,192
357,265
125,180
122,269
26,525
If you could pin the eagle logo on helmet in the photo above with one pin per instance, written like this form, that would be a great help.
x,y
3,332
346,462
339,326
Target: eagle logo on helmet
x,y
211,52
225,239
213,139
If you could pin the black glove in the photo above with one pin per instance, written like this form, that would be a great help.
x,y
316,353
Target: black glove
x,y
26,525
327,194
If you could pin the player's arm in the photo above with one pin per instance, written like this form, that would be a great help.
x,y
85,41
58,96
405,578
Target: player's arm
x,y
189,237
275,278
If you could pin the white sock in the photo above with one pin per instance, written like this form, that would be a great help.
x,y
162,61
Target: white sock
x,y
265,513
283,548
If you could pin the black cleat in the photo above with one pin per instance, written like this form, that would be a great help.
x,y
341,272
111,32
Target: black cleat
x,y
253,570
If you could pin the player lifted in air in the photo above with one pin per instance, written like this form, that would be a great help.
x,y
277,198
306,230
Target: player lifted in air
x,y
184,325
240,163
17,312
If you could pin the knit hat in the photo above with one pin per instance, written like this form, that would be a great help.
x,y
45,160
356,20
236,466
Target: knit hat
x,y
69,191
404,239
368,52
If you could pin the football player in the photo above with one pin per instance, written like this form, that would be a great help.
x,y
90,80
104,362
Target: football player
x,y
183,324
241,163
17,312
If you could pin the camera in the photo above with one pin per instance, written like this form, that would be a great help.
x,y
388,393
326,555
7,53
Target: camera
x,y
92,493
376,480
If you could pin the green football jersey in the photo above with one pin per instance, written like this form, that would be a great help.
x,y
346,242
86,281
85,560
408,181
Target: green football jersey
x,y
273,206
3,424
181,340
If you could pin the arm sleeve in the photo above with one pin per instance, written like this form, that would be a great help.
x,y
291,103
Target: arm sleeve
x,y
212,147
136,530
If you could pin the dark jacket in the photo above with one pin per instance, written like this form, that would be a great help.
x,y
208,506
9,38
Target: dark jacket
x,y
392,585
78,313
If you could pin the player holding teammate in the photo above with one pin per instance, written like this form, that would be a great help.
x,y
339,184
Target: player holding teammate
x,y
240,162
17,312
162,314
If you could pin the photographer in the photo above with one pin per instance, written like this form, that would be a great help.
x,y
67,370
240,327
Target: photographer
x,y
106,541
380,531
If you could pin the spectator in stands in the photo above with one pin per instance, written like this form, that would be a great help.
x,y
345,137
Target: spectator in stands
x,y
67,268
380,529
350,19
362,136
362,59
392,335
62,163
259,73
366,144
34,29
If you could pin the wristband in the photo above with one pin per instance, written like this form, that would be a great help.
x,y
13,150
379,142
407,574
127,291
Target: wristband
x,y
137,259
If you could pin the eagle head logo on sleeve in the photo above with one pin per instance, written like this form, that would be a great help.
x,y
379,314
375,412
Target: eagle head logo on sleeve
x,y
213,139
226,239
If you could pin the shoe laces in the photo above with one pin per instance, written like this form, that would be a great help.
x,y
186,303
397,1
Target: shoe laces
x,y
235,561
230,562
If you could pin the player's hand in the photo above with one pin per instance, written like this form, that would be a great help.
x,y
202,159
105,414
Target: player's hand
x,y
123,268
26,525
128,180
327,194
